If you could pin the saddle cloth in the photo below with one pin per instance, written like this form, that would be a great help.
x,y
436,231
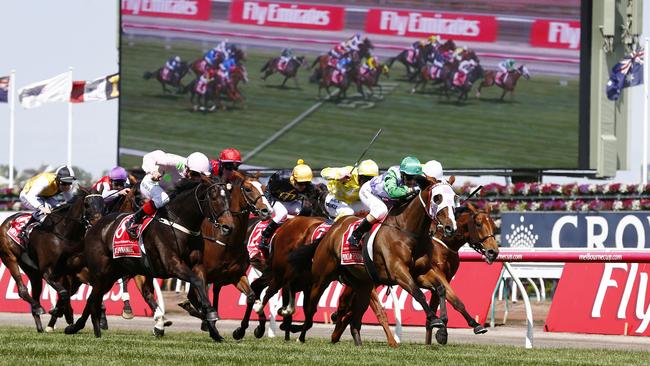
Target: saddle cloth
x,y
498,79
410,56
337,76
351,254
460,78
256,238
320,231
123,245
165,74
18,225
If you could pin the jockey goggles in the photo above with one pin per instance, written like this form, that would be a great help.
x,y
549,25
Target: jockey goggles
x,y
230,166
118,182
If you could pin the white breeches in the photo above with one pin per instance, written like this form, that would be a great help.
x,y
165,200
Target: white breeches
x,y
153,191
378,208
336,208
282,209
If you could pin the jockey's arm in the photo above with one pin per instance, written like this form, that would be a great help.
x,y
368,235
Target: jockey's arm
x,y
394,190
336,173
37,187
158,158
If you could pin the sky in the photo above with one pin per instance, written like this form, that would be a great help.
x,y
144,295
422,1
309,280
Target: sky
x,y
41,39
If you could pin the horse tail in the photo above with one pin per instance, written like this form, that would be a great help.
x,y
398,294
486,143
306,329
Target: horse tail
x,y
266,65
301,257
147,75
316,62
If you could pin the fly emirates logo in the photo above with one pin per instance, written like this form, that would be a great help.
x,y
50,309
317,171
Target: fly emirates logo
x,y
276,13
436,24
560,32
179,7
607,293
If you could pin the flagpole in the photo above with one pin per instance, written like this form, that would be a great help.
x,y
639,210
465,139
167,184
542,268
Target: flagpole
x,y
12,103
644,168
70,127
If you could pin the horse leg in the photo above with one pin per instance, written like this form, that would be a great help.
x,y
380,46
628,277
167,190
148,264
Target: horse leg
x,y
216,290
407,282
284,82
37,289
258,286
287,316
145,285
103,321
341,317
96,305
12,265
380,313
196,278
457,304
127,311
316,291
503,95
245,288
359,306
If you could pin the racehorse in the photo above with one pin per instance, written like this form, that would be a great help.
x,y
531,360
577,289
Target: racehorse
x,y
230,88
225,258
173,247
172,79
200,65
325,61
289,71
343,79
510,83
401,248
370,79
476,228
463,90
50,247
413,63
203,92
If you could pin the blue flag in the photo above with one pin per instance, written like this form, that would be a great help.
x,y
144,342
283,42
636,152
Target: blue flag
x,y
4,89
627,72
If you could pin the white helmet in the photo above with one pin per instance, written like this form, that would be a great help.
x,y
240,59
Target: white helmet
x,y
199,163
177,58
433,169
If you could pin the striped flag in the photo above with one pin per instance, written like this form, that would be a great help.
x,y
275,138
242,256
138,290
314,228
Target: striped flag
x,y
4,88
56,89
104,88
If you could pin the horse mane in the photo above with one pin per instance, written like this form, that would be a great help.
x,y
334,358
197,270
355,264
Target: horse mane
x,y
184,185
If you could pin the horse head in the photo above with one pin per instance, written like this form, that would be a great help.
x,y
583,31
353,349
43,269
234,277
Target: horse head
x,y
442,204
241,72
365,47
523,70
447,46
252,197
213,200
480,233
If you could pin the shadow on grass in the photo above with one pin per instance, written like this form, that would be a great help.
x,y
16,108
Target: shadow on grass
x,y
286,87
497,101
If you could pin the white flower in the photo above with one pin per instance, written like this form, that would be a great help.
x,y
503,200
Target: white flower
x,y
618,205
636,204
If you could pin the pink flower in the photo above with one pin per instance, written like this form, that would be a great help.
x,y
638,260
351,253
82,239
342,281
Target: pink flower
x,y
569,189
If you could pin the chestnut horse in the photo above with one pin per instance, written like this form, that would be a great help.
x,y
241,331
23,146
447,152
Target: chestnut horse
x,y
290,69
476,228
490,77
50,247
172,243
401,247
370,79
323,61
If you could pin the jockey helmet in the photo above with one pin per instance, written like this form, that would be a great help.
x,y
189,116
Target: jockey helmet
x,y
65,174
368,168
432,168
411,166
357,35
301,172
177,58
230,155
198,162
433,39
118,173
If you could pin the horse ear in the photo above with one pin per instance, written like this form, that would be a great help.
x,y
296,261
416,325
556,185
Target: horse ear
x,y
451,180
471,207
488,208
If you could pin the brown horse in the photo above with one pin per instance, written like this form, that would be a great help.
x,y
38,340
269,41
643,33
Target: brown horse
x,y
289,71
424,55
199,66
173,79
401,249
490,78
326,61
370,79
230,88
172,243
225,258
476,228
50,247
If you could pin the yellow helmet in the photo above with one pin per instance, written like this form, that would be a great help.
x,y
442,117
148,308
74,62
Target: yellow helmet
x,y
368,168
459,50
433,39
302,172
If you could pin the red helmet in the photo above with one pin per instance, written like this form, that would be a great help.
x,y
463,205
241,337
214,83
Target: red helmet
x,y
230,155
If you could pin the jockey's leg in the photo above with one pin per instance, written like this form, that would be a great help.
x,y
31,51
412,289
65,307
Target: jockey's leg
x,y
132,226
279,216
378,211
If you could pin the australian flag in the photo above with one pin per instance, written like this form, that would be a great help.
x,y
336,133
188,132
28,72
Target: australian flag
x,y
628,72
4,88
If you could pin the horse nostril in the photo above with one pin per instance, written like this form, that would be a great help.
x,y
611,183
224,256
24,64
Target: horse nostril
x,y
226,229
449,230
491,253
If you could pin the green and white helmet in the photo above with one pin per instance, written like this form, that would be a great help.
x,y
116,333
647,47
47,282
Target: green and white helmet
x,y
410,165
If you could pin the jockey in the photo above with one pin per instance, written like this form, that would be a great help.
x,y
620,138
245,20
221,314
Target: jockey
x,y
228,162
173,63
285,57
286,193
369,65
40,191
352,44
434,41
210,57
223,49
113,185
458,53
343,185
225,66
464,69
343,64
339,50
155,164
506,67
396,183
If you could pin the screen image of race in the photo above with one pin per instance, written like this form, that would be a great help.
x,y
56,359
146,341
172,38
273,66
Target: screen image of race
x,y
493,84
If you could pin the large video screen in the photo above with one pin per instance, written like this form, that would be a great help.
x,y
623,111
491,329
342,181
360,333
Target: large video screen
x,y
497,87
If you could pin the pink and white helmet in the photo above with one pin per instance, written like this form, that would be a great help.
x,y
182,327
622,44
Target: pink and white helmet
x,y
199,163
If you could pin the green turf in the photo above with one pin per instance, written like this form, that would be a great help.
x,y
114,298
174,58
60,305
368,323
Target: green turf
x,y
539,128
23,346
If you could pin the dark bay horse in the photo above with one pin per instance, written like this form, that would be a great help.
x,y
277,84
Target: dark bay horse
x,y
463,90
401,249
414,63
173,245
289,71
50,247
325,61
370,79
173,79
490,79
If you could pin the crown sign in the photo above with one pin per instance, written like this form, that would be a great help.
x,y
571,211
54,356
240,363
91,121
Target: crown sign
x,y
521,236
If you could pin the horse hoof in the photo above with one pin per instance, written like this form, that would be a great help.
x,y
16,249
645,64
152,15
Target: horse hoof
x,y
441,336
283,327
71,329
49,329
259,332
167,322
204,326
239,333
218,338
157,332
435,323
479,330
334,316
103,324
257,307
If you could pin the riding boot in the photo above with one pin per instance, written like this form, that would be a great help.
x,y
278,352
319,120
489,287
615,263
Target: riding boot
x,y
23,234
267,234
134,223
357,234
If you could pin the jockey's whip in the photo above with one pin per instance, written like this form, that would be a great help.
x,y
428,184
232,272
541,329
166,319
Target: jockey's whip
x,y
366,150
474,192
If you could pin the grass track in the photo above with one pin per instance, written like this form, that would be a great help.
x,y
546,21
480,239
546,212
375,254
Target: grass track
x,y
22,346
539,128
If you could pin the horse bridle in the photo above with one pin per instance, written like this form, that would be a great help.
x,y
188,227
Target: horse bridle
x,y
476,242
212,218
251,204
82,220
